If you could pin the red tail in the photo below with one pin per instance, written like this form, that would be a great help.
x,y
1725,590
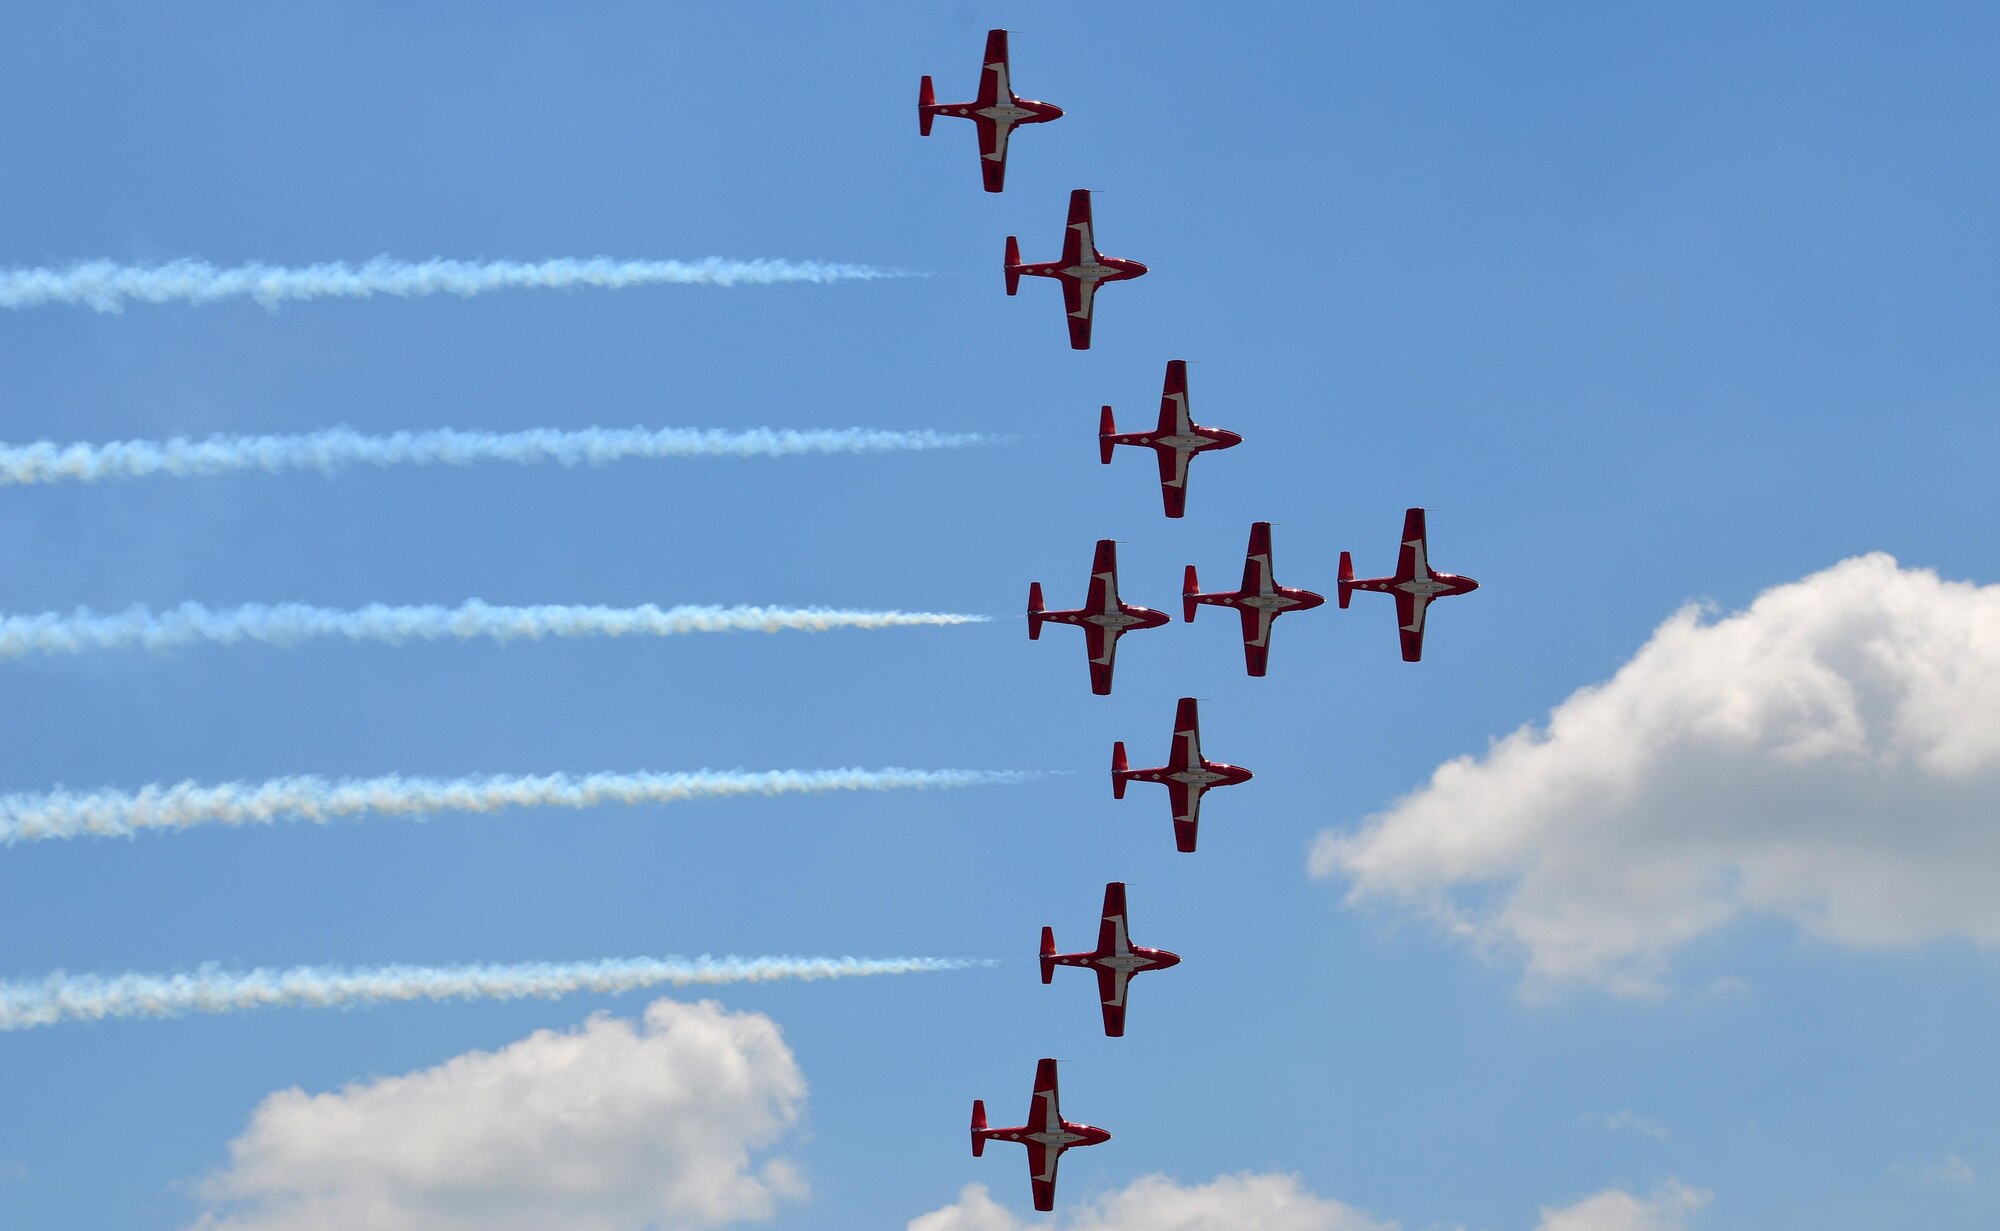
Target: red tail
x,y
978,1127
1035,610
1013,265
1048,954
1106,429
1118,767
1346,581
925,101
1190,586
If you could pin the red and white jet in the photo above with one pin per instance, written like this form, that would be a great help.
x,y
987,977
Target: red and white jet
x,y
996,111
1260,602
1176,440
1116,959
1185,775
1046,1134
1103,617
1416,585
1081,270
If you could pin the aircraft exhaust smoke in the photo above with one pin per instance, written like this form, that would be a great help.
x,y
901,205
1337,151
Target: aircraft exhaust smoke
x,y
64,997
327,451
108,286
114,813
287,624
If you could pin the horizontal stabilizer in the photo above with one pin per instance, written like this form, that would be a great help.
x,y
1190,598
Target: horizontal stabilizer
x,y
1035,609
1118,766
1346,581
1190,587
926,99
978,1127
1013,265
1048,954
1106,429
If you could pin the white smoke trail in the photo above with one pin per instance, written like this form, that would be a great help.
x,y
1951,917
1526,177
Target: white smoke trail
x,y
108,286
114,813
327,451
210,989
287,624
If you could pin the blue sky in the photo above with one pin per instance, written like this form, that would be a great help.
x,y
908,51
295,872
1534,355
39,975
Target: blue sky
x,y
1645,307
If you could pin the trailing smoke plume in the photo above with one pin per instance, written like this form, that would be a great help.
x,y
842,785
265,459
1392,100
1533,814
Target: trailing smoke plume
x,y
327,451
113,813
210,989
288,624
108,286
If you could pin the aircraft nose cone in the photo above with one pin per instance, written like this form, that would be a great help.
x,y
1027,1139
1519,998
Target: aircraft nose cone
x,y
1055,112
1470,584
1135,267
1230,438
1167,959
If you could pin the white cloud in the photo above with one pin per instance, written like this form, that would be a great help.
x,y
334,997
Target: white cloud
x,y
1953,1172
1829,755
1632,1120
1243,1202
1667,1209
614,1126
1263,1202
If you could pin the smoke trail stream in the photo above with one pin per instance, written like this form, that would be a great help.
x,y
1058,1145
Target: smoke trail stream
x,y
115,813
327,451
108,286
287,624
64,997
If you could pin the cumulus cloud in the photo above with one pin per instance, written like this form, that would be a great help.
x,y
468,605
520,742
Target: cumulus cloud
x,y
1829,755
1667,1208
1253,1202
614,1126
1243,1202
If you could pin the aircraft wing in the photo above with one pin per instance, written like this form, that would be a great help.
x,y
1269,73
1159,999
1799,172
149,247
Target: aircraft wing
x,y
1111,989
1410,610
1257,560
1186,801
1103,596
1112,936
1042,1161
1256,638
1102,643
993,151
1413,562
1173,479
1077,300
1174,417
1078,240
993,84
1186,753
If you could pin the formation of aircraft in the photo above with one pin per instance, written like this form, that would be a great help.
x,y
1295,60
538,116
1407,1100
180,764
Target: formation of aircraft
x,y
1415,584
1176,440
1186,775
1115,960
1260,602
996,112
1104,617
1081,270
1046,1134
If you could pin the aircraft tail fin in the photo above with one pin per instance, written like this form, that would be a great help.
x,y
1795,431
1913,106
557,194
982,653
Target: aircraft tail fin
x,y
1118,768
1190,588
1048,954
1107,427
978,1127
1346,582
1013,265
926,100
1035,610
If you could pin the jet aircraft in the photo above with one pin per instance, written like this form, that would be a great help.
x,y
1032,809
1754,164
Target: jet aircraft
x,y
1416,585
996,111
1116,959
1185,775
1103,617
1046,1134
1176,440
1260,602
1081,270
